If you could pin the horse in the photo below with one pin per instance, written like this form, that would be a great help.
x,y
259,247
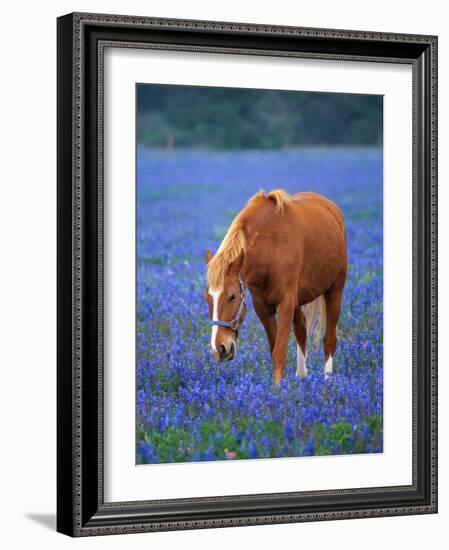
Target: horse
x,y
289,251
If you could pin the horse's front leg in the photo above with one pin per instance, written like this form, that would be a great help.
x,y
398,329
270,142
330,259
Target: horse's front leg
x,y
285,311
267,316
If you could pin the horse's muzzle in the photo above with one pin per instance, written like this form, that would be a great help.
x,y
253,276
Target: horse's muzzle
x,y
226,355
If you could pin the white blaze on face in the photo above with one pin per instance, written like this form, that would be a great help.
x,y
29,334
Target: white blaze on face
x,y
215,294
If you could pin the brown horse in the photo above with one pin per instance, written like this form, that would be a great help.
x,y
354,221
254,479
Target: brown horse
x,y
290,252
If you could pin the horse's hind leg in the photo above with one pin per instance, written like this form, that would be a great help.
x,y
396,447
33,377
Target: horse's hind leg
x,y
299,328
333,298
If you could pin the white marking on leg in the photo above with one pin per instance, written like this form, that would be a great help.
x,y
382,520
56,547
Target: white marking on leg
x,y
215,297
301,369
328,366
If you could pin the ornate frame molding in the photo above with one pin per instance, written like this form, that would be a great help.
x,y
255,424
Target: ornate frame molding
x,y
81,509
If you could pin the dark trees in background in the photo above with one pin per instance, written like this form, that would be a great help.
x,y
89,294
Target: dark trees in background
x,y
229,118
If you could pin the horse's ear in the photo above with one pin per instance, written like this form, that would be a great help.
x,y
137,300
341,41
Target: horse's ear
x,y
208,256
236,265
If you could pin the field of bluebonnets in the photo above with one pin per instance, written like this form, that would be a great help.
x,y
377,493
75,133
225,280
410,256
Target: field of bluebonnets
x,y
190,408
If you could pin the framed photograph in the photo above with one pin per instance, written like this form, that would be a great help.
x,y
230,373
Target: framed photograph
x,y
247,277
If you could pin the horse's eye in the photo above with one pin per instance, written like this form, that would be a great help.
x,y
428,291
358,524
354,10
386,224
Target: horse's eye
x,y
232,297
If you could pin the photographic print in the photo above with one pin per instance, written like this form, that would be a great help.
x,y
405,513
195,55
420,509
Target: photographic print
x,y
259,279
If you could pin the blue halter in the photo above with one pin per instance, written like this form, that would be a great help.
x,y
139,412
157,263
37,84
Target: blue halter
x,y
236,322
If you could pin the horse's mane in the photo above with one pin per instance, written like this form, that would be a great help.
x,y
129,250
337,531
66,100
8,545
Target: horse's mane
x,y
234,242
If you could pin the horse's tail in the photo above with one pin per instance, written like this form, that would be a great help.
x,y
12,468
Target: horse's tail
x,y
315,314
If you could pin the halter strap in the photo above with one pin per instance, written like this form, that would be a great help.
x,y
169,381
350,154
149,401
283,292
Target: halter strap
x,y
236,322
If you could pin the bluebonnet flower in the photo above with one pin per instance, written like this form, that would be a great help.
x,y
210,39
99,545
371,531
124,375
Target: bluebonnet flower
x,y
192,409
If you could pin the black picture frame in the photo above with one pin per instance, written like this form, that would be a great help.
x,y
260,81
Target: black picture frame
x,y
81,509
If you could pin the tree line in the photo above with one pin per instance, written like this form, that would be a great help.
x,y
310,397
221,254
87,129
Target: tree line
x,y
228,118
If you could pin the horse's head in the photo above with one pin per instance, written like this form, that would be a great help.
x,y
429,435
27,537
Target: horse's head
x,y
227,310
